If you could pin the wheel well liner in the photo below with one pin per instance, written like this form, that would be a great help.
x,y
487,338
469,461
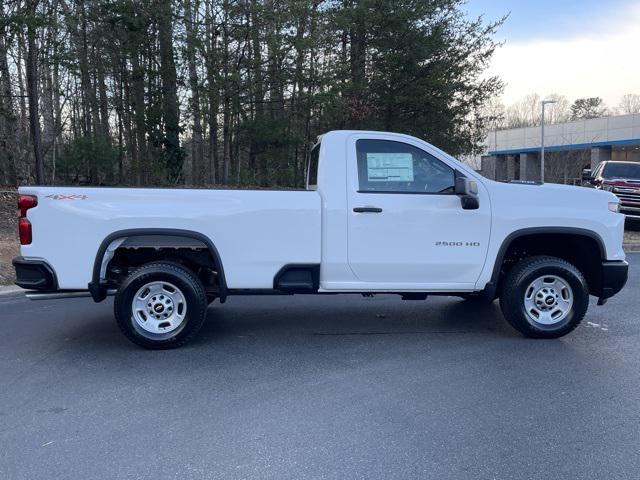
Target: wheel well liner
x,y
98,291
576,233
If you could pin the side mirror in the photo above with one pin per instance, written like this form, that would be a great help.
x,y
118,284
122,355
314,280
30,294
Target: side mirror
x,y
586,175
467,190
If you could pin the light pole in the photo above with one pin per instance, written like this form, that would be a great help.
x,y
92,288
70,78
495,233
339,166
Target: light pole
x,y
544,102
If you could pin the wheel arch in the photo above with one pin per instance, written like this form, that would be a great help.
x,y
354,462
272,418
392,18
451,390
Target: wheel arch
x,y
572,234
98,290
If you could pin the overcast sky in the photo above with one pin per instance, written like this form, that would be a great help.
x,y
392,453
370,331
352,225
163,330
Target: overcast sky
x,y
577,48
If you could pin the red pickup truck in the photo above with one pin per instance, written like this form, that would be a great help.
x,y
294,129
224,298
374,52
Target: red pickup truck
x,y
620,178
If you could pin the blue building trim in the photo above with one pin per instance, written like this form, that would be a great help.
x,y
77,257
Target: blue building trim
x,y
574,146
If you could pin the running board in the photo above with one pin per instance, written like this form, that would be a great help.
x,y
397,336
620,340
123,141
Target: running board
x,y
33,295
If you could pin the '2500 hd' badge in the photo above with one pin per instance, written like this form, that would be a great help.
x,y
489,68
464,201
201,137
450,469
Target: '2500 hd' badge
x,y
66,197
457,244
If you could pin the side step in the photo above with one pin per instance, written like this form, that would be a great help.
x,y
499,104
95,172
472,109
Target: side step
x,y
298,279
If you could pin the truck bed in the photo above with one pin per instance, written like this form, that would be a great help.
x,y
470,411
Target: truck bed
x,y
256,232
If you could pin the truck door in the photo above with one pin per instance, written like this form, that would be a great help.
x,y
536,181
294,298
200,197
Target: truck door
x,y
406,227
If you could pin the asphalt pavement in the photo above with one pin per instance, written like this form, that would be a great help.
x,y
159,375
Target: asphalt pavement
x,y
323,387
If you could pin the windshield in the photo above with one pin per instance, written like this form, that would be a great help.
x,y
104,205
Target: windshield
x,y
622,170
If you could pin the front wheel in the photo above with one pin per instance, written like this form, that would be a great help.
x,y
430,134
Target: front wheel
x,y
544,297
160,306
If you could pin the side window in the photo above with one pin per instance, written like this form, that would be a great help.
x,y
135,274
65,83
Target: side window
x,y
394,167
312,169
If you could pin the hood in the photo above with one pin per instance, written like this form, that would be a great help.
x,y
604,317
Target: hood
x,y
553,194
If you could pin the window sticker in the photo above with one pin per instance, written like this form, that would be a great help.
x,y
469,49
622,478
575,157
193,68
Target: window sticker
x,y
390,167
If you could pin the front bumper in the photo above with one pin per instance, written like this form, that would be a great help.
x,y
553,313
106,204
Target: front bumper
x,y
35,274
614,278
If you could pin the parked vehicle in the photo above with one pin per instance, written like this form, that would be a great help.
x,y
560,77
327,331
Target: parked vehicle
x,y
382,213
621,178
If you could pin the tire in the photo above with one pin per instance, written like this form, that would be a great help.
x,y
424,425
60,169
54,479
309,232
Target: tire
x,y
531,288
160,306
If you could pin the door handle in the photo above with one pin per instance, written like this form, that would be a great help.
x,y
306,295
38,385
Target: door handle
x,y
367,210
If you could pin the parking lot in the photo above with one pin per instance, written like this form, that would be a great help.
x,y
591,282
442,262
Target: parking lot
x,y
321,387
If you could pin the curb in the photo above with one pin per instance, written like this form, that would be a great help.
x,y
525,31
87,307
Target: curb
x,y
10,289
631,247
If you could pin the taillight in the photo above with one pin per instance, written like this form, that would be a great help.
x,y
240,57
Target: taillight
x,y
24,227
25,202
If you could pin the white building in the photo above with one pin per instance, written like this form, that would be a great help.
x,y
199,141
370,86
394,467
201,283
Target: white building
x,y
515,154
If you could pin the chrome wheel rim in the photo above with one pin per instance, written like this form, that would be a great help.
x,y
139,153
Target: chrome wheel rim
x,y
159,308
548,300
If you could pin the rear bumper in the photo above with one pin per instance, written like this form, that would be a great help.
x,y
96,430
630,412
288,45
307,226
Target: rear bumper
x,y
614,278
35,274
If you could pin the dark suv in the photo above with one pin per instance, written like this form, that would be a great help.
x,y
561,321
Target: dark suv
x,y
621,178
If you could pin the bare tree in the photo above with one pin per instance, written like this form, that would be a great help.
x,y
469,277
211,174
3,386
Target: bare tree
x,y
524,113
558,112
629,103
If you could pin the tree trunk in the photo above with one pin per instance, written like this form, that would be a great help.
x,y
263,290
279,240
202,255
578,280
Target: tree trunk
x,y
125,106
120,113
137,76
197,150
213,91
256,148
32,93
8,119
91,119
22,91
170,111
226,111
102,95
91,110
298,95
357,110
57,113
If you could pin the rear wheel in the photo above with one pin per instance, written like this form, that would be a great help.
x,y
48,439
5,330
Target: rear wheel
x,y
544,297
160,305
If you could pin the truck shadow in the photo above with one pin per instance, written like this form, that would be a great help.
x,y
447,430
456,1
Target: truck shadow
x,y
255,338
279,322
352,315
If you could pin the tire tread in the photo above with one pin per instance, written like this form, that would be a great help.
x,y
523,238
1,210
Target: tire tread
x,y
194,282
510,301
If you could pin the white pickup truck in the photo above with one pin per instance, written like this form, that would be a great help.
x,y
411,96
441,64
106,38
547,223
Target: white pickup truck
x,y
382,213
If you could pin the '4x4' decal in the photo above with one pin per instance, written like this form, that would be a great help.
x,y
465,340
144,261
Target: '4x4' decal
x,y
67,197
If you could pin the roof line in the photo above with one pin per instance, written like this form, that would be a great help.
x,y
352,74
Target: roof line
x,y
573,146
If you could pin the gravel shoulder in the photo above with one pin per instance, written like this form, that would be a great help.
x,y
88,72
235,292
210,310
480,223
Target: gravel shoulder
x,y
9,247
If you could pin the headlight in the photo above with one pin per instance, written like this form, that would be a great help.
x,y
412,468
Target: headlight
x,y
608,188
614,207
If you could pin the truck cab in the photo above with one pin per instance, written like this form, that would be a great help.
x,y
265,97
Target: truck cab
x,y
402,224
